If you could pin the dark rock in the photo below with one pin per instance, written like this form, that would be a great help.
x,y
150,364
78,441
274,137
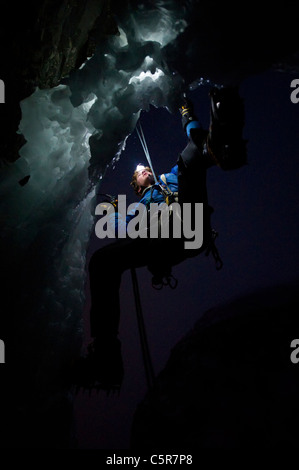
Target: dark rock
x,y
230,383
42,44
228,42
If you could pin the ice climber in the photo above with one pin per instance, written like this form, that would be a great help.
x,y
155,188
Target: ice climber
x,y
222,144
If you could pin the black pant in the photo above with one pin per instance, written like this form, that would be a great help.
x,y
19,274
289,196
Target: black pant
x,y
108,263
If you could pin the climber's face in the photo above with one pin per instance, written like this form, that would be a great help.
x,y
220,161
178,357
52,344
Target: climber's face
x,y
144,179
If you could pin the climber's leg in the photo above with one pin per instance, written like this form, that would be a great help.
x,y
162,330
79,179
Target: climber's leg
x,y
102,368
225,142
105,270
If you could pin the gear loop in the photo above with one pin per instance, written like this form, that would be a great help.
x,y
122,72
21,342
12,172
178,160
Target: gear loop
x,y
169,280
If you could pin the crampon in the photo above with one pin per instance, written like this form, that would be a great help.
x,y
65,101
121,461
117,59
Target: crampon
x,y
100,369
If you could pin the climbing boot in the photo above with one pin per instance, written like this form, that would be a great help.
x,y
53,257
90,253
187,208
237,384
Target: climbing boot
x,y
102,367
225,142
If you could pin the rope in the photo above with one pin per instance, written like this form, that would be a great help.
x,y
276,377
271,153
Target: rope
x,y
145,148
149,371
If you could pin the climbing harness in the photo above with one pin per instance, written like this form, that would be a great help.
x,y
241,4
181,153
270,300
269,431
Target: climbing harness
x,y
169,196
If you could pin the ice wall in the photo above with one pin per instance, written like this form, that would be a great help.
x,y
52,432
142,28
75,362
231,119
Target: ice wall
x,y
73,133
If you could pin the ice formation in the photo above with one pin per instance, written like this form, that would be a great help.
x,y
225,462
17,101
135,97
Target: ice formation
x,y
73,132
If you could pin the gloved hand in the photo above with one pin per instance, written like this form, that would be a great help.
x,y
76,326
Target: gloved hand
x,y
187,111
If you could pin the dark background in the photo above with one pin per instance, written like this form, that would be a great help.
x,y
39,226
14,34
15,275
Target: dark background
x,y
255,208
256,215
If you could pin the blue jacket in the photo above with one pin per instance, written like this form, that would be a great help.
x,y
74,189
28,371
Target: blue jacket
x,y
151,194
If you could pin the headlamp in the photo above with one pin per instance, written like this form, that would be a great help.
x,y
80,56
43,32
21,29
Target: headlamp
x,y
140,167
